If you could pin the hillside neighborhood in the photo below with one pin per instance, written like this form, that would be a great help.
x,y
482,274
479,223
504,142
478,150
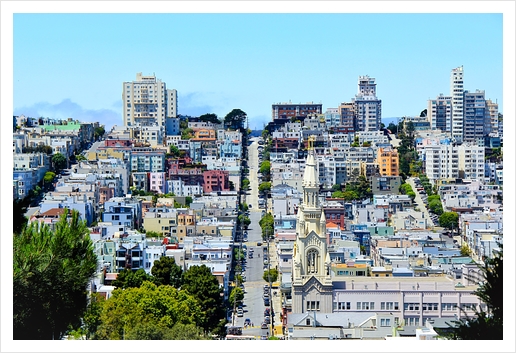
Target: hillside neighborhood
x,y
326,224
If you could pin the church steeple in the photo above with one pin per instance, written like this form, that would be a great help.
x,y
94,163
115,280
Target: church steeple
x,y
311,247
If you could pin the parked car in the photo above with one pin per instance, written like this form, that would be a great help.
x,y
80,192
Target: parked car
x,y
265,326
247,321
240,312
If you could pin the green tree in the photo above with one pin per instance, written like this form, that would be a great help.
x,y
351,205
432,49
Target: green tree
x,y
244,221
265,169
99,132
267,225
165,272
449,220
174,151
20,207
147,312
152,234
393,128
91,317
435,206
484,324
270,275
128,278
51,272
236,294
187,133
465,250
59,162
264,187
204,286
211,118
235,119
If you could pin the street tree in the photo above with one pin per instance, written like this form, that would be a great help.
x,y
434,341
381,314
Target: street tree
x,y
267,225
51,272
264,187
165,271
59,162
449,220
236,294
270,275
244,221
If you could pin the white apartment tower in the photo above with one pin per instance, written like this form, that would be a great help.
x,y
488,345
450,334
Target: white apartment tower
x,y
148,102
457,94
368,108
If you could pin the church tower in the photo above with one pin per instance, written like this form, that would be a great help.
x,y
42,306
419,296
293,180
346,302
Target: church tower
x,y
311,280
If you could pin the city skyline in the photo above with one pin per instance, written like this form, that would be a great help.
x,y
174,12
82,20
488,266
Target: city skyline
x,y
279,58
74,65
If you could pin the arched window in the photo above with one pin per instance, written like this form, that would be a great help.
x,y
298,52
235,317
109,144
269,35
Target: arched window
x,y
312,262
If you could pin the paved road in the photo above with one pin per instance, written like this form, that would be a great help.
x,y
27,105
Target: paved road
x,y
253,301
420,204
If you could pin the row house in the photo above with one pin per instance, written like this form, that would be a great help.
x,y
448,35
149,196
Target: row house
x,y
285,199
162,220
28,170
147,160
152,136
374,137
180,188
80,201
128,209
332,118
215,180
385,185
290,174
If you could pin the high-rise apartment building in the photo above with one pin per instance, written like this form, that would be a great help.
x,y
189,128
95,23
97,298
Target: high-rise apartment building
x,y
492,111
457,94
368,108
439,113
476,117
147,102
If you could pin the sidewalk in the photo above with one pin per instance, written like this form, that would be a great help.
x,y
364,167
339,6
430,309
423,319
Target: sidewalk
x,y
276,299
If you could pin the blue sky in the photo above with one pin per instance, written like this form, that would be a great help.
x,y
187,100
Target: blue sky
x,y
74,64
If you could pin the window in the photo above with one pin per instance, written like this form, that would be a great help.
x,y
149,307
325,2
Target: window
x,y
385,322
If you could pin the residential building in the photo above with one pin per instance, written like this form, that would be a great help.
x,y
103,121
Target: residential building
x,y
147,101
439,113
292,110
457,94
388,161
368,108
